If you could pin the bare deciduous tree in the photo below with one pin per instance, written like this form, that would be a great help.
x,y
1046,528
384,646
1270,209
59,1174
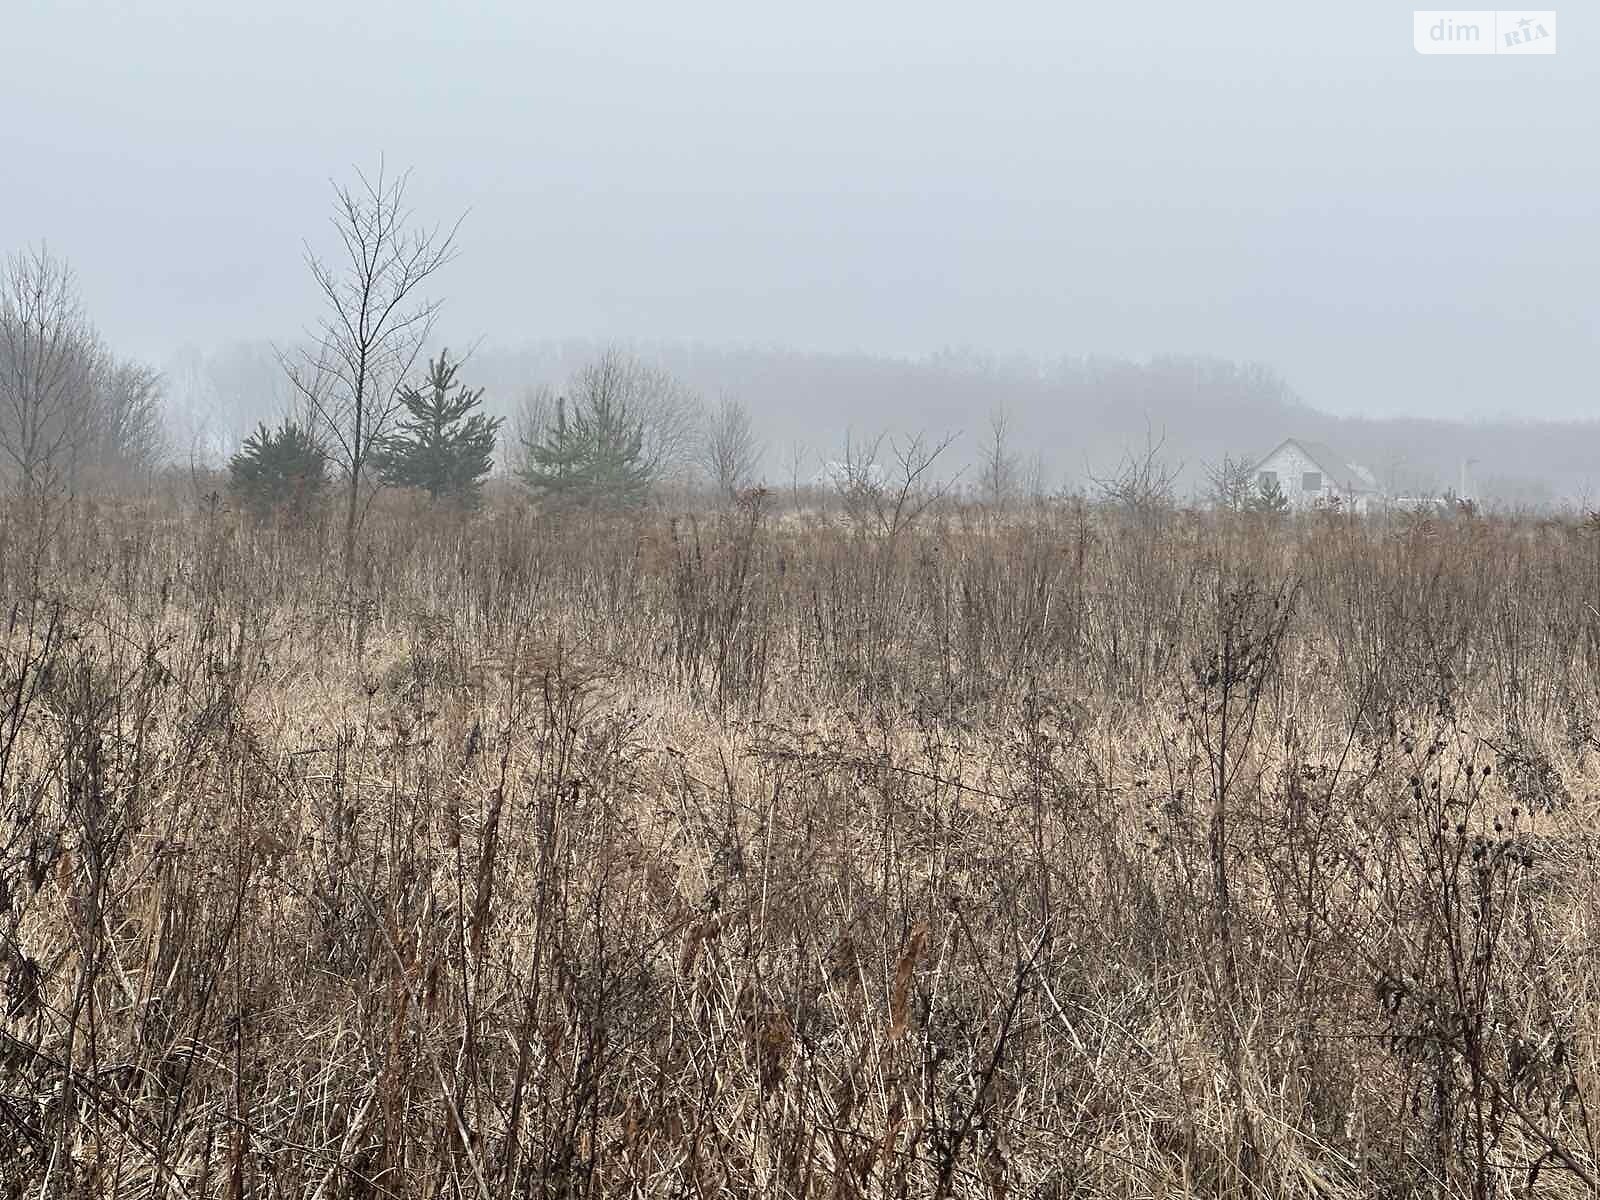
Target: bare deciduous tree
x,y
889,501
1142,485
729,449
67,404
374,325
797,455
126,432
530,422
48,359
667,412
1036,478
998,466
1230,484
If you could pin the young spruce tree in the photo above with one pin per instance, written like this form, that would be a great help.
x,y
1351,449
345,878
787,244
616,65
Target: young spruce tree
x,y
442,444
590,457
283,469
1269,497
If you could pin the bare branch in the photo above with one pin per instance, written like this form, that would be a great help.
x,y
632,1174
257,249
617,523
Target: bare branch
x,y
890,502
376,321
729,449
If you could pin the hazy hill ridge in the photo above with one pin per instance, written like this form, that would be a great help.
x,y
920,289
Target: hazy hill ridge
x,y
1083,414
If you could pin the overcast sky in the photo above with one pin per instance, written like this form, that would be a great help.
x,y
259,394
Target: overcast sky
x,y
1284,182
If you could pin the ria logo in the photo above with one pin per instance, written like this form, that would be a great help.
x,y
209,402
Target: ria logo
x,y
1527,32
1483,31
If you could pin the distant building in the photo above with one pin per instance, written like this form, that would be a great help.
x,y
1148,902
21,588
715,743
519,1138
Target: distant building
x,y
1311,475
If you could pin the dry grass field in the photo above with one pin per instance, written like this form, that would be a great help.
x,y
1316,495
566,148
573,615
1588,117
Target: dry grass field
x,y
740,854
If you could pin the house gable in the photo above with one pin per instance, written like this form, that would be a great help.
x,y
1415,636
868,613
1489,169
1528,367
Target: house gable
x,y
1309,473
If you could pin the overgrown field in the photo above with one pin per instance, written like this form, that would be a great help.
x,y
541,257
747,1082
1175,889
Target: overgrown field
x,y
741,853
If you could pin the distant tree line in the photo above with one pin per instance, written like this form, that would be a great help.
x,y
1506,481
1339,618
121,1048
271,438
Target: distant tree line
x,y
363,406
607,443
366,417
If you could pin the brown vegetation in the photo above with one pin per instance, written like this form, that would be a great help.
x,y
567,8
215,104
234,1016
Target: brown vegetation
x,y
1085,855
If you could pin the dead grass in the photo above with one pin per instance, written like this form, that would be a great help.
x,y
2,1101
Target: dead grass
x,y
730,856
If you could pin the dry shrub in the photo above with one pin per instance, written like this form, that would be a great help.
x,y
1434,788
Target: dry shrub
x,y
1075,855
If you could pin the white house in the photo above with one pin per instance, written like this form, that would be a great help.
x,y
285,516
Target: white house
x,y
1311,475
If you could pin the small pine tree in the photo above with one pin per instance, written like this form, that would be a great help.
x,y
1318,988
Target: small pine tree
x,y
593,457
283,468
442,445
1269,497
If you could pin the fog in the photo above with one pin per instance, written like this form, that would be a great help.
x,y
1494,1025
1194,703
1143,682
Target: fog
x,y
1392,234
